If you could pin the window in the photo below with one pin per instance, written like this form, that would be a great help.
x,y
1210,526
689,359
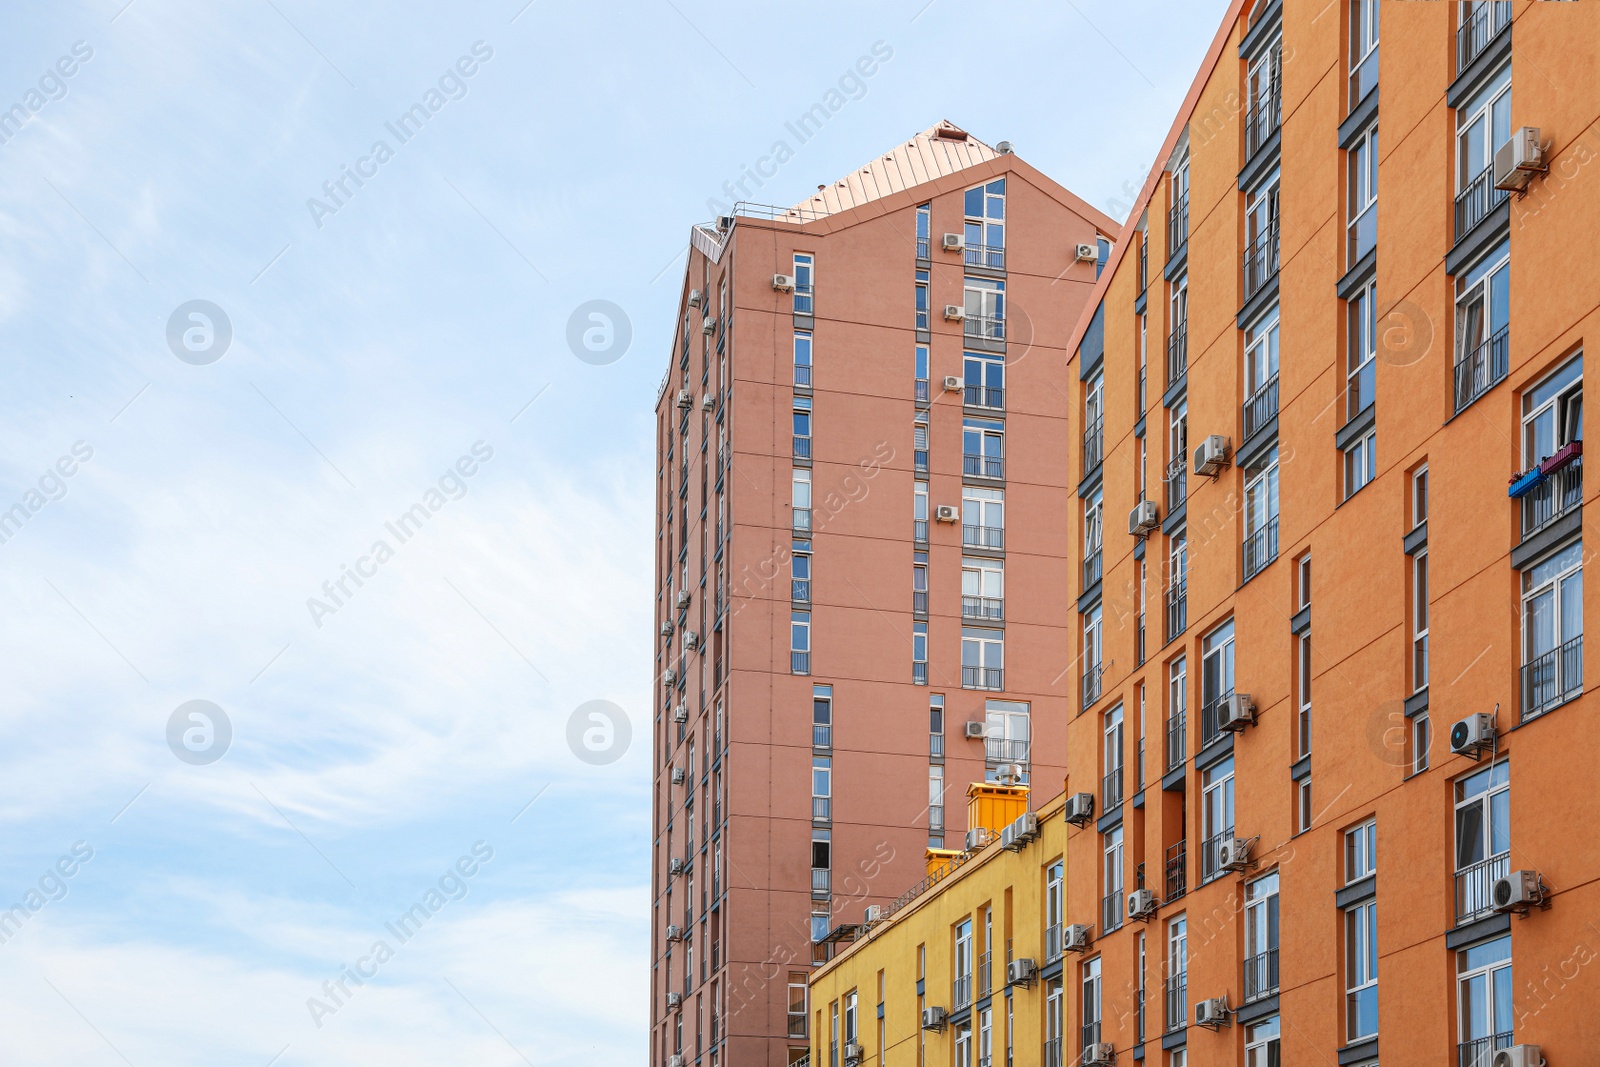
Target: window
x,y
983,448
1303,814
802,358
924,229
919,583
1177,973
1216,800
1111,904
985,303
800,642
922,302
797,1003
1360,463
962,992
1360,852
1261,372
1483,325
821,868
821,720
921,369
1361,194
1216,678
1093,537
1264,80
1483,992
1091,1003
919,511
1177,475
985,229
983,517
982,658
1552,631
1055,1021
1178,215
1111,793
1419,621
850,1005
833,1034
1091,655
801,499
1261,235
1361,369
919,653
800,573
1144,356
1261,1043
1007,735
1361,971
802,427
1054,905
936,800
984,380
1363,49
1552,420
982,588
1421,740
1261,516
804,265
1483,838
821,787
1177,712
1177,584
1094,423
985,1037
1483,124
1419,497
1261,937
1178,329
936,726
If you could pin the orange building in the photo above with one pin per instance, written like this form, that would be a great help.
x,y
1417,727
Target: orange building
x,y
1330,707
862,568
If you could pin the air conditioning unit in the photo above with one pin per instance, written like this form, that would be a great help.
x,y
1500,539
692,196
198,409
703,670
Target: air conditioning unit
x,y
708,326
1211,456
1021,972
684,597
708,402
1233,854
1142,904
1144,519
724,222
934,1018
674,1061
874,913
1086,252
691,640
783,283
946,513
853,1054
974,731
674,1000
1518,1056
680,713
1472,734
1211,1013
977,837
1075,938
668,676
696,298
677,776
1518,160
952,384
674,866
685,400
954,242
954,312
666,631
1080,808
1518,891
1236,712
1099,1055
674,933
1025,827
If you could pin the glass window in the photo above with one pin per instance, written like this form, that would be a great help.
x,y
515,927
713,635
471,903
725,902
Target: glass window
x,y
1483,315
1363,49
1419,496
982,658
1261,1043
1483,124
1261,353
802,358
1360,464
1261,937
922,301
1091,1002
1216,815
1483,984
1007,735
984,377
1360,851
1361,971
1421,741
1552,630
985,230
1483,837
1552,414
1419,621
1361,196
1361,372
1216,676
924,229
804,265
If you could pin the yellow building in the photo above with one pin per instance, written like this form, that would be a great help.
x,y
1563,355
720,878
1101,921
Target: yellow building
x,y
967,966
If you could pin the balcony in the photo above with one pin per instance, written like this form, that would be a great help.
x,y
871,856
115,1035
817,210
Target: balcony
x,y
1479,1052
961,992
821,809
1261,975
1476,201
982,678
984,396
1561,492
1177,481
985,327
802,375
919,601
1211,718
1091,683
1177,226
985,608
997,750
1052,1053
1475,885
989,257
821,736
821,881
1177,740
1090,1032
802,448
1211,855
1178,1001
1178,352
919,673
799,662
1261,548
976,466
982,537
1111,790
1177,871
1476,32
1484,366
1111,912
1552,679
1052,943
1094,444
797,1024
1261,407
1091,569
1261,261
1262,119
1177,610
800,590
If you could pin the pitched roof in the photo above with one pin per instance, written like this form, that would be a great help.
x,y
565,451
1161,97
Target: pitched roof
x,y
934,153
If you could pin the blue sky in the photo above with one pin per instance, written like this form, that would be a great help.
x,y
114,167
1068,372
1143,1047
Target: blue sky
x,y
420,325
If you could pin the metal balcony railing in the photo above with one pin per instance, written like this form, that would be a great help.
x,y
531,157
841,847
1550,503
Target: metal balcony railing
x,y
990,257
976,466
802,300
1111,911
1005,750
919,673
1481,368
1476,201
1178,351
984,396
1177,740
799,662
1211,718
1261,260
985,327
988,608
1476,31
1052,942
1558,494
800,590
1094,443
1177,226
1091,1033
1111,789
961,992
802,520
1178,1001
1091,684
1177,871
1262,119
1052,1053
1479,1052
802,375
922,247
802,448
821,809
821,736
1261,975
922,390
1261,407
1553,678
919,601
821,881
1211,854
919,530
936,745
985,974
1475,886
1177,610
935,818
982,678
1091,568
983,537
1144,262
1261,548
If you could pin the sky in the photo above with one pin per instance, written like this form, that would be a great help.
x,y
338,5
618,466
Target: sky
x,y
321,535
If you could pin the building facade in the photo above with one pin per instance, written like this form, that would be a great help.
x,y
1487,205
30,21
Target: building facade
x,y
861,564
